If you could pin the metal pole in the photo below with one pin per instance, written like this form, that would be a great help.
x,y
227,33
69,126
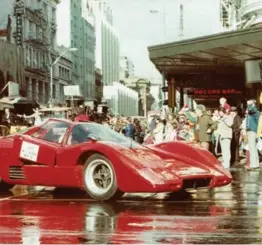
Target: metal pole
x,y
165,21
51,86
164,83
145,104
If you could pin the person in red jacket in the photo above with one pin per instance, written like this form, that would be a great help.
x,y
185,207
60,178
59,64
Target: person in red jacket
x,y
82,116
224,105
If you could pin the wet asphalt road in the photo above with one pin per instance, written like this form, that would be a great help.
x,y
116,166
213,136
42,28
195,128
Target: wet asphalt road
x,y
228,215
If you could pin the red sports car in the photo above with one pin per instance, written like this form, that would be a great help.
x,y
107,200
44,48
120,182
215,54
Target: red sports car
x,y
104,163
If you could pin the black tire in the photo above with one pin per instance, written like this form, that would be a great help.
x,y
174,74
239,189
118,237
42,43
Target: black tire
x,y
100,180
5,187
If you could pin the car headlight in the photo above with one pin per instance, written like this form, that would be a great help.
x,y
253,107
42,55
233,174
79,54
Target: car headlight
x,y
191,171
216,173
151,176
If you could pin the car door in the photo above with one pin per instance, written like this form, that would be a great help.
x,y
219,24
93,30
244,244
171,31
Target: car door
x,y
41,148
35,151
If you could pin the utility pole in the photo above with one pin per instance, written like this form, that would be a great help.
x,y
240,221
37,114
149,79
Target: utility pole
x,y
181,23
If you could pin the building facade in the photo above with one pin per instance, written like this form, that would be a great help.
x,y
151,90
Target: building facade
x,y
107,41
121,100
62,75
33,29
11,66
76,30
251,12
145,98
126,68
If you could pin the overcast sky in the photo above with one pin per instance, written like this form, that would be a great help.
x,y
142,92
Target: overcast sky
x,y
138,28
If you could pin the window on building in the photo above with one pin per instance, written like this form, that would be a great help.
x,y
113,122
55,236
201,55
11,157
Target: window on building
x,y
54,91
31,30
45,7
54,15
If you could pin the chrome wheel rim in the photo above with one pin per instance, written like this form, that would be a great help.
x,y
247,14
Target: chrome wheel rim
x,y
99,176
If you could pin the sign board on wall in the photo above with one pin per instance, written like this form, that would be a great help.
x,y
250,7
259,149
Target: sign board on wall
x,y
13,89
214,92
89,104
253,71
73,90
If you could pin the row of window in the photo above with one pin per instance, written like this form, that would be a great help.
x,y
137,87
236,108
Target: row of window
x,y
64,73
49,11
35,58
39,91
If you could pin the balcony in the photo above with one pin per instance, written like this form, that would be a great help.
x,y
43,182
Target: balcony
x,y
53,25
36,38
250,8
35,12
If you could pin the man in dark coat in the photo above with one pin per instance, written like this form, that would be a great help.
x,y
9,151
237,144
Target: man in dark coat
x,y
204,127
236,127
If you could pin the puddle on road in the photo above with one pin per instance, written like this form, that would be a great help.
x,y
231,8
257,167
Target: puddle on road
x,y
230,214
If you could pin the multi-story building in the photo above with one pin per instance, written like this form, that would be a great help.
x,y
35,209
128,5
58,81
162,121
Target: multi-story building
x,y
250,12
39,45
63,74
126,68
107,41
11,62
33,25
121,100
76,30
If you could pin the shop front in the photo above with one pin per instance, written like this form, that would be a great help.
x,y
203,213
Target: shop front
x,y
212,66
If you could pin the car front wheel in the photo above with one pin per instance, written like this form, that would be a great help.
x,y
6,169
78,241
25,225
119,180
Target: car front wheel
x,y
100,179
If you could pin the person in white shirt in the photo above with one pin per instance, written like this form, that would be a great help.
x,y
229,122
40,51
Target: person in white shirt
x,y
37,117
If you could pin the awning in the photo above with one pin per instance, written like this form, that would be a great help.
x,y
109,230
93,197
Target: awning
x,y
6,106
221,53
16,100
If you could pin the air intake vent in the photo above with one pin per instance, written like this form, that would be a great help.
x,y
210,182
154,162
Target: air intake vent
x,y
16,173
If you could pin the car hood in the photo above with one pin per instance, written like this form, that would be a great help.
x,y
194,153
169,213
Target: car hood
x,y
145,157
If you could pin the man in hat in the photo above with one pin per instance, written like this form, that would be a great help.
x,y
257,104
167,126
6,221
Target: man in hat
x,y
236,127
204,127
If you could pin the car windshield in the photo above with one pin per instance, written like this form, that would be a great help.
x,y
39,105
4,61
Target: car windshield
x,y
103,133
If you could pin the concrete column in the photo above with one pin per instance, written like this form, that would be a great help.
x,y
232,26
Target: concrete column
x,y
43,93
57,91
163,85
37,91
181,97
29,88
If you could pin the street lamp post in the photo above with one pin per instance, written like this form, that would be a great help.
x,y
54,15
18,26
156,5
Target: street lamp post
x,y
51,73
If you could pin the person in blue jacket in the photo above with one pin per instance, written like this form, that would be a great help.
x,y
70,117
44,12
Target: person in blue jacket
x,y
130,129
251,128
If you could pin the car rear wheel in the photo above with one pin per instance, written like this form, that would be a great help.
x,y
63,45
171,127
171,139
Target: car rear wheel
x,y
4,187
100,179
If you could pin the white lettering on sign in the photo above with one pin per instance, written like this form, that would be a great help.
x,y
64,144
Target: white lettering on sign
x,y
29,151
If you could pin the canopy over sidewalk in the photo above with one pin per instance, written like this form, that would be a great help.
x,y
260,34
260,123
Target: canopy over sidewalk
x,y
222,53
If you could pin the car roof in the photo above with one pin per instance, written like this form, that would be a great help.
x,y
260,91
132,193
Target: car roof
x,y
68,121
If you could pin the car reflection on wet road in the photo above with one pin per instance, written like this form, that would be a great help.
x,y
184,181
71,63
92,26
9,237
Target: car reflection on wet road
x,y
232,214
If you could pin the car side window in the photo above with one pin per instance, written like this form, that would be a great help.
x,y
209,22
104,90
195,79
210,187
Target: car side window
x,y
53,131
77,135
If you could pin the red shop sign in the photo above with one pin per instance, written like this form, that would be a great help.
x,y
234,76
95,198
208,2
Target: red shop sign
x,y
216,92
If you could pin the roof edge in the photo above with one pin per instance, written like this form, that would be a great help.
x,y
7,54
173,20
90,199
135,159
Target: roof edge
x,y
212,37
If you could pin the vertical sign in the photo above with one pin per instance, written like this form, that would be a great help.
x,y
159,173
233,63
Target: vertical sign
x,y
19,11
